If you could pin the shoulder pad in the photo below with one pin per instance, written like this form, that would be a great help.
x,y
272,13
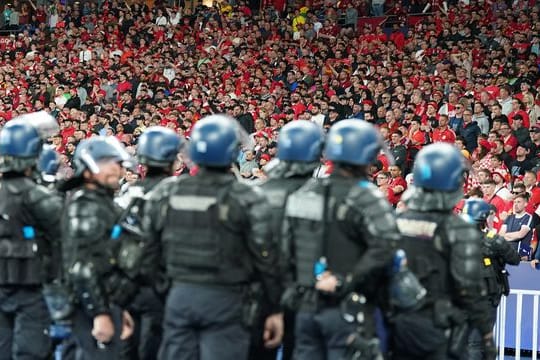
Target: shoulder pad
x,y
277,190
497,240
83,204
150,182
366,193
41,199
459,230
132,192
18,186
245,194
368,206
164,188
39,193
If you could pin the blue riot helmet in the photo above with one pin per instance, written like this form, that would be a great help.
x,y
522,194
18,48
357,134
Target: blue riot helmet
x,y
158,147
439,167
438,174
215,141
48,163
477,210
300,141
91,151
20,145
353,142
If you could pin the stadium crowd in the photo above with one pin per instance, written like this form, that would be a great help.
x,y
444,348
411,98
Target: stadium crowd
x,y
465,73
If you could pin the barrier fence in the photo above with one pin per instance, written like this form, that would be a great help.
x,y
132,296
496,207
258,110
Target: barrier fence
x,y
518,316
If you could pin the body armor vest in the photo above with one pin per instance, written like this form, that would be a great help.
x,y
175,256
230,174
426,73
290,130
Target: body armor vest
x,y
425,244
202,244
495,277
20,263
315,212
277,192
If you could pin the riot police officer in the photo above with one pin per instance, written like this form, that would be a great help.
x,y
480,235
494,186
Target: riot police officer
x,y
90,250
443,251
216,239
157,150
341,230
29,234
496,252
299,151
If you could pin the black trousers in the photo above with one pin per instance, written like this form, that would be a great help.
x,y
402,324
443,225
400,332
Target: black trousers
x,y
321,335
147,312
24,324
86,346
204,323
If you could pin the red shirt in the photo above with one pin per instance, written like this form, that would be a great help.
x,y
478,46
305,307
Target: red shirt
x,y
392,197
524,116
511,140
534,200
447,135
418,139
67,132
398,181
501,206
124,86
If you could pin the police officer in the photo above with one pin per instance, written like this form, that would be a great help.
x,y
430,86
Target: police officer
x,y
341,231
29,234
443,251
157,151
496,253
299,151
216,239
89,249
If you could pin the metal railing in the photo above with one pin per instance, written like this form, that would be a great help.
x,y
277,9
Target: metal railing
x,y
501,323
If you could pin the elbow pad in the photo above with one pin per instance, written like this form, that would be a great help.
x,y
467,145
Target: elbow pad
x,y
87,287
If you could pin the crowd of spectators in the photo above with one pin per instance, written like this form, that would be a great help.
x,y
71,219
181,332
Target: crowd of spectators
x,y
464,72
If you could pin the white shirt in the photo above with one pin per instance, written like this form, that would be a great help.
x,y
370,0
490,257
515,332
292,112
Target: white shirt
x,y
85,55
318,119
162,20
506,105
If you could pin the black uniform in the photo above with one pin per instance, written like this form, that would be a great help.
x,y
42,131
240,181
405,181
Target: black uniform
x,y
90,257
29,241
146,308
283,180
496,252
216,239
444,252
351,225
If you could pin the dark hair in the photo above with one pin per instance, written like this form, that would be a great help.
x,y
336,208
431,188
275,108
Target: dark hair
x,y
524,195
475,191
